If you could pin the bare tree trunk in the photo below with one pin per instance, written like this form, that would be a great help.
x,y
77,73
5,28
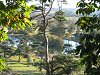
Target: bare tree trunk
x,y
51,67
44,14
19,56
46,54
4,53
46,50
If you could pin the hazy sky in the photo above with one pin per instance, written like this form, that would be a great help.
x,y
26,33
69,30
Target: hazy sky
x,y
71,4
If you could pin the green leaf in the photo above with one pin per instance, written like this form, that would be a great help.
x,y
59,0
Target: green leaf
x,y
2,64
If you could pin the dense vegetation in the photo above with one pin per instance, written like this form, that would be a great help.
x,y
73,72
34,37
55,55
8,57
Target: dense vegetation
x,y
32,39
89,48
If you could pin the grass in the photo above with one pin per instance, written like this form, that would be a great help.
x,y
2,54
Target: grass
x,y
32,74
22,68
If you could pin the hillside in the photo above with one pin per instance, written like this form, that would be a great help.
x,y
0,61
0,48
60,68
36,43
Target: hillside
x,y
71,12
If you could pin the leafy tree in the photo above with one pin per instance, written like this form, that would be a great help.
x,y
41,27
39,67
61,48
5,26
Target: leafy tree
x,y
13,15
44,28
62,64
55,29
58,28
45,24
89,48
55,44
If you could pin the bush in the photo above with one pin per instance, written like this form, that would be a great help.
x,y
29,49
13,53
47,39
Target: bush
x,y
62,64
40,64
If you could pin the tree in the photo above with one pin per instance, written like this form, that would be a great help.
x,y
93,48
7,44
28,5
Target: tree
x,y
44,25
63,64
89,48
58,27
14,15
55,29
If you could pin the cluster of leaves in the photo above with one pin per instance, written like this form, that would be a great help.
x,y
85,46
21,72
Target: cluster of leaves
x,y
88,7
2,64
13,15
59,16
89,48
89,24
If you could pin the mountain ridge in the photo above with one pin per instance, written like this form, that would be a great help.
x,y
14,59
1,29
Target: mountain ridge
x,y
71,12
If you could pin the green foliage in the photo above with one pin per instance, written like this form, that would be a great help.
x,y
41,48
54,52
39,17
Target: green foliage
x,y
55,31
14,15
89,24
3,34
59,28
63,64
55,43
40,64
89,48
59,16
87,8
2,64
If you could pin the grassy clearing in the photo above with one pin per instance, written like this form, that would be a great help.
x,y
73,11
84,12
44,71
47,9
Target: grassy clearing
x,y
32,74
22,68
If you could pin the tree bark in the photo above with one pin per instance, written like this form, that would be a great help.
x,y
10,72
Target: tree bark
x,y
46,54
46,50
19,56
4,53
45,36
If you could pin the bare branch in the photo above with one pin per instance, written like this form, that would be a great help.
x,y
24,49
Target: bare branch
x,y
60,6
43,12
50,8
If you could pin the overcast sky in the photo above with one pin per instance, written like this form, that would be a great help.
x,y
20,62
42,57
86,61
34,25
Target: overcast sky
x,y
71,4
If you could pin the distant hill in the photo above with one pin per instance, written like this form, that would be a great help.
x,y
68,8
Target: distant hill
x,y
68,11
71,12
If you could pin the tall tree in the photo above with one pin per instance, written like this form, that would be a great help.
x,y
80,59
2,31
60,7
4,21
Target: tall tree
x,y
44,26
89,48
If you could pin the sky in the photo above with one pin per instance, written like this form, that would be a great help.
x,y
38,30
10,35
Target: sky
x,y
70,4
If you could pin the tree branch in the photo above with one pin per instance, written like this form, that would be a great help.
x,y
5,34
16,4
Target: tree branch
x,y
50,8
